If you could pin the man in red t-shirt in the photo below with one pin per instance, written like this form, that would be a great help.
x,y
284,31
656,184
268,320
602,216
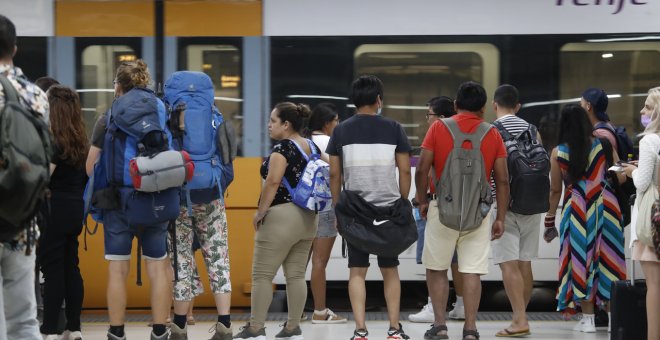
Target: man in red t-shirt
x,y
472,246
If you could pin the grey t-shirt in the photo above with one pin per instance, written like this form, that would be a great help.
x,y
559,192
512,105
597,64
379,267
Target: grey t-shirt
x,y
367,145
99,132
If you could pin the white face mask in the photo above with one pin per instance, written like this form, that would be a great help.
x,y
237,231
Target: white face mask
x,y
379,111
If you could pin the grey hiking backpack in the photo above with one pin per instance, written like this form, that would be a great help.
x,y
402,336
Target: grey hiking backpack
x,y
464,194
25,150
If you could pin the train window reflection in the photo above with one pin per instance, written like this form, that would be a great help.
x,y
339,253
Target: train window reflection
x,y
223,64
414,73
98,66
625,70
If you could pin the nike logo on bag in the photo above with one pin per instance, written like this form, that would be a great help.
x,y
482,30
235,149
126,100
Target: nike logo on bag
x,y
377,223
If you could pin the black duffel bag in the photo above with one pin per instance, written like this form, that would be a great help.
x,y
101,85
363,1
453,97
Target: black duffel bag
x,y
382,231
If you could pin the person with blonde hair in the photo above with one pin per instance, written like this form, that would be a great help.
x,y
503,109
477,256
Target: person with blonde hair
x,y
642,174
58,244
284,231
118,234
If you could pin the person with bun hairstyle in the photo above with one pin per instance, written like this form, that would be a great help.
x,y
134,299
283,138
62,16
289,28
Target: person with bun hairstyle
x,y
322,122
118,235
284,231
58,243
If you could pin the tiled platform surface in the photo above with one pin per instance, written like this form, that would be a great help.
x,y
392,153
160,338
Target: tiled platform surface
x,y
543,326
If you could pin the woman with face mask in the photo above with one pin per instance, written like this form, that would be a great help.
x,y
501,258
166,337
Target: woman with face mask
x,y
642,174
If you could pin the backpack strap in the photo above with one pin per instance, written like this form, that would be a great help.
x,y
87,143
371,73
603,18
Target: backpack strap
x,y
503,131
301,149
460,137
10,92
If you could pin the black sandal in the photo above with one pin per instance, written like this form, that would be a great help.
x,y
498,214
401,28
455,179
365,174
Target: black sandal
x,y
470,332
435,329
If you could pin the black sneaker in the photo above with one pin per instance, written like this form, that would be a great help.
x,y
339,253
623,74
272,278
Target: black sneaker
x,y
360,334
397,334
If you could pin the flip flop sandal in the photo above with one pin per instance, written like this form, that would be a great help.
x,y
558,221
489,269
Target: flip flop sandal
x,y
506,333
470,332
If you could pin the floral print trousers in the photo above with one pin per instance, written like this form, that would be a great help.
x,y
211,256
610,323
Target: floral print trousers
x,y
211,229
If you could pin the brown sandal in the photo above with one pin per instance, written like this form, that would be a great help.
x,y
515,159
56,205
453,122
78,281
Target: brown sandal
x,y
470,332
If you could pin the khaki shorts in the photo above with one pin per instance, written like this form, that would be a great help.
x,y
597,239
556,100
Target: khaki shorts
x,y
440,241
520,240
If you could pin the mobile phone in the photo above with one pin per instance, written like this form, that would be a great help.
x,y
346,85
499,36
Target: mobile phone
x,y
616,168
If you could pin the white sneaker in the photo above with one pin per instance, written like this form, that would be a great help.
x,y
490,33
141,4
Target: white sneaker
x,y
51,337
425,315
586,325
77,335
458,313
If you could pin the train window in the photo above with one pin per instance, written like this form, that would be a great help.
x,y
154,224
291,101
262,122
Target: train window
x,y
223,64
98,64
414,73
625,70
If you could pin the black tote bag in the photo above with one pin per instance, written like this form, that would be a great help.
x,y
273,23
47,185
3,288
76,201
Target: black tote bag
x,y
382,231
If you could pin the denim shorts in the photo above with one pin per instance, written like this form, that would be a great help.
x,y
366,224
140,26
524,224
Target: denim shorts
x,y
327,224
118,238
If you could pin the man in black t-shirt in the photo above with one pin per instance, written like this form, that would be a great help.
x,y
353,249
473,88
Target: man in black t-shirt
x,y
371,149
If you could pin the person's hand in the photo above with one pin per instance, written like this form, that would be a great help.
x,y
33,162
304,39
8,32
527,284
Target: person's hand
x,y
550,232
628,168
423,209
497,230
258,220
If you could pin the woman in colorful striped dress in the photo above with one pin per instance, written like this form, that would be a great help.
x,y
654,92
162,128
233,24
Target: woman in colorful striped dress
x,y
591,253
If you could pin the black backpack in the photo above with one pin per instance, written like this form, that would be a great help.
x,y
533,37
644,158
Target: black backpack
x,y
529,169
624,145
25,150
623,191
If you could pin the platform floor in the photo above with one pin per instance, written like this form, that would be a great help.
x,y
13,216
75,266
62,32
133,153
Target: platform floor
x,y
543,326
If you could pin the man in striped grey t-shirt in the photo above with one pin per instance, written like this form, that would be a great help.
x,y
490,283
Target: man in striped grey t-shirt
x,y
519,244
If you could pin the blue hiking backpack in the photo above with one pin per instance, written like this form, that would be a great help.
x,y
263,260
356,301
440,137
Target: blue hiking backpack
x,y
313,189
199,128
135,126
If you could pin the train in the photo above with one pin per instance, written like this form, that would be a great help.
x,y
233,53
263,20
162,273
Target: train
x,y
260,52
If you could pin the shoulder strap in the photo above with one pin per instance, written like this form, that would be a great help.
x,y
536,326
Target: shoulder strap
x,y
10,91
312,149
459,136
605,126
300,149
503,131
607,149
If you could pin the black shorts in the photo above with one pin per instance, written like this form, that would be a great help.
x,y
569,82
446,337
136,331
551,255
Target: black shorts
x,y
360,259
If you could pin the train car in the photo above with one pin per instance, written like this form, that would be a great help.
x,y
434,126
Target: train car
x,y
262,52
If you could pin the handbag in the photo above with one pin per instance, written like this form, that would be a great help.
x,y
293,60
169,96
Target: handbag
x,y
655,220
645,214
382,231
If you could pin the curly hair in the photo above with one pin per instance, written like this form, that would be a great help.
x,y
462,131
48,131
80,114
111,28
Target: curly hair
x,y
67,125
132,74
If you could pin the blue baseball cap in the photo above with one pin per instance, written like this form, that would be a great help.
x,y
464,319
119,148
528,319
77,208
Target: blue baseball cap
x,y
598,99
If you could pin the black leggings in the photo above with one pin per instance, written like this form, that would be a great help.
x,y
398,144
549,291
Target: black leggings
x,y
58,257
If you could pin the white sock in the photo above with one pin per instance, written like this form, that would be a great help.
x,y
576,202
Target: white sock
x,y
321,312
588,316
459,300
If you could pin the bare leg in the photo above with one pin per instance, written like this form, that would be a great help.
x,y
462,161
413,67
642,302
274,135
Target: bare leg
x,y
357,292
116,294
515,290
472,284
652,274
161,293
438,286
222,303
321,249
392,287
457,277
528,279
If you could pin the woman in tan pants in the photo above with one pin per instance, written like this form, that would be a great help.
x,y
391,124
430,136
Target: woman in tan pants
x,y
284,231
